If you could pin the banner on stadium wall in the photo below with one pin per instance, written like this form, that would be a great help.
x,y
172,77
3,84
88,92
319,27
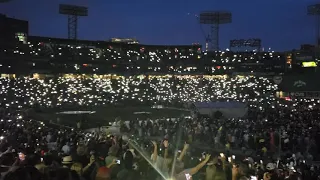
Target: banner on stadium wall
x,y
299,83
254,73
304,58
277,79
309,95
309,64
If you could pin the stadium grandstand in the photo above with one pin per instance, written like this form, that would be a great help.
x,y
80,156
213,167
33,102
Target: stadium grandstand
x,y
54,55
98,57
98,109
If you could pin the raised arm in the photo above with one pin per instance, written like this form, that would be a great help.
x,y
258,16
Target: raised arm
x,y
114,162
166,145
224,162
199,166
183,152
9,150
155,151
92,160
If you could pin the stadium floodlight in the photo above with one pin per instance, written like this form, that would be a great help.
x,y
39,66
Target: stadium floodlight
x,y
73,12
314,10
215,19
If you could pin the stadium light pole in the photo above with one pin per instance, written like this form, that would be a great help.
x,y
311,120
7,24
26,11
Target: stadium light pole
x,y
314,10
215,19
73,12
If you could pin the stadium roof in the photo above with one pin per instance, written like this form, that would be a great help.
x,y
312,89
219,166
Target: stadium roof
x,y
97,43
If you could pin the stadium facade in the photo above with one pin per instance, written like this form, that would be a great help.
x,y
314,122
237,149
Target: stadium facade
x,y
23,54
12,29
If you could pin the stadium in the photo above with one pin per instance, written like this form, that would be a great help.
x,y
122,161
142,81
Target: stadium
x,y
258,104
128,74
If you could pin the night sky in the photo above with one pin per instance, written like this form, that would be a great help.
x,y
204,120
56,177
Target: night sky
x,y
281,24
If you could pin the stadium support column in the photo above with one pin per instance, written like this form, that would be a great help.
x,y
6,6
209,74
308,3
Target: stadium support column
x,y
72,26
317,34
314,10
215,36
318,39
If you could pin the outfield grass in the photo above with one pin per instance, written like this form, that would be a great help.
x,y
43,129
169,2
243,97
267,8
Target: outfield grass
x,y
104,115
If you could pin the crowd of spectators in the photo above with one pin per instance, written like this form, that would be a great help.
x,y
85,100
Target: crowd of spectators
x,y
35,150
66,56
277,139
94,91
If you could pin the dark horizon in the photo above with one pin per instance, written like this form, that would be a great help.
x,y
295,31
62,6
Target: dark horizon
x,y
280,25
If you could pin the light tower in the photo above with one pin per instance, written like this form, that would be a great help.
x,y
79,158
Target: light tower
x,y
73,12
314,10
215,19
